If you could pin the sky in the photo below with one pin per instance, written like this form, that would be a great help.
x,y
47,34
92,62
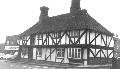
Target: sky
x,y
16,16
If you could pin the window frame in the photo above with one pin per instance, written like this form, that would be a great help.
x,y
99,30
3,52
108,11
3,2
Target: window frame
x,y
73,52
74,33
55,35
61,52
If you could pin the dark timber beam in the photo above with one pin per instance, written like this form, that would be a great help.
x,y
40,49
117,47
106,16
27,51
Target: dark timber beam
x,y
61,37
69,37
110,41
94,38
70,46
80,36
103,39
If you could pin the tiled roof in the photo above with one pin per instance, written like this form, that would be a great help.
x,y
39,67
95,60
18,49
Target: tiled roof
x,y
81,20
12,38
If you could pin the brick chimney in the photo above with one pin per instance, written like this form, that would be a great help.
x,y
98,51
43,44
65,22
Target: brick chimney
x,y
75,6
44,13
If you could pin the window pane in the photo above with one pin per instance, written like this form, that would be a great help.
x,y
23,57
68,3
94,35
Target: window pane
x,y
76,33
72,52
78,55
69,52
79,50
75,52
60,52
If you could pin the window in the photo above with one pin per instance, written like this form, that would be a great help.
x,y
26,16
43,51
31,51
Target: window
x,y
39,52
40,36
55,35
74,33
74,52
7,43
60,52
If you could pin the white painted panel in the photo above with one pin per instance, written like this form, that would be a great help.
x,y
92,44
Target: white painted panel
x,y
54,40
82,40
98,39
98,55
104,36
76,39
50,41
34,53
28,43
109,51
108,39
67,39
85,54
36,41
111,43
48,53
105,52
20,42
40,42
58,40
72,40
91,55
87,37
93,50
63,40
43,53
53,55
58,60
65,58
111,55
92,36
102,55
44,36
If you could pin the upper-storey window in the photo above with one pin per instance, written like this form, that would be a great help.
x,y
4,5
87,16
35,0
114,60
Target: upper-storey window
x,y
74,33
55,35
40,36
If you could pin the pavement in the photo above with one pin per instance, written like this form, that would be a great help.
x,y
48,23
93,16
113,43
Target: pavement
x,y
52,65
8,65
41,63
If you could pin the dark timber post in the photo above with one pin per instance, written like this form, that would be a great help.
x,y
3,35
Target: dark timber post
x,y
30,49
19,53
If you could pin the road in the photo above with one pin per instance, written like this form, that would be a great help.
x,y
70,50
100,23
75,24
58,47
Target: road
x,y
9,65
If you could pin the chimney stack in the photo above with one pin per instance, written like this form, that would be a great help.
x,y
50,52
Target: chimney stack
x,y
44,13
75,6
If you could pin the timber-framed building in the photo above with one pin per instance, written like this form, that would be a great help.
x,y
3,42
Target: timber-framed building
x,y
74,37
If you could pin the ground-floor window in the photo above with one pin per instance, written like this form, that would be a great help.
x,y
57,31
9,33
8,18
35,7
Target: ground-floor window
x,y
60,52
24,53
39,52
74,52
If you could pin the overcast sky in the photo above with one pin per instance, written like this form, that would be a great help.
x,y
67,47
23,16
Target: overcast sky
x,y
18,15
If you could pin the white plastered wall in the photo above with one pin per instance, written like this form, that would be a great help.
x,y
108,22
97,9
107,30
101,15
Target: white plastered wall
x,y
34,53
